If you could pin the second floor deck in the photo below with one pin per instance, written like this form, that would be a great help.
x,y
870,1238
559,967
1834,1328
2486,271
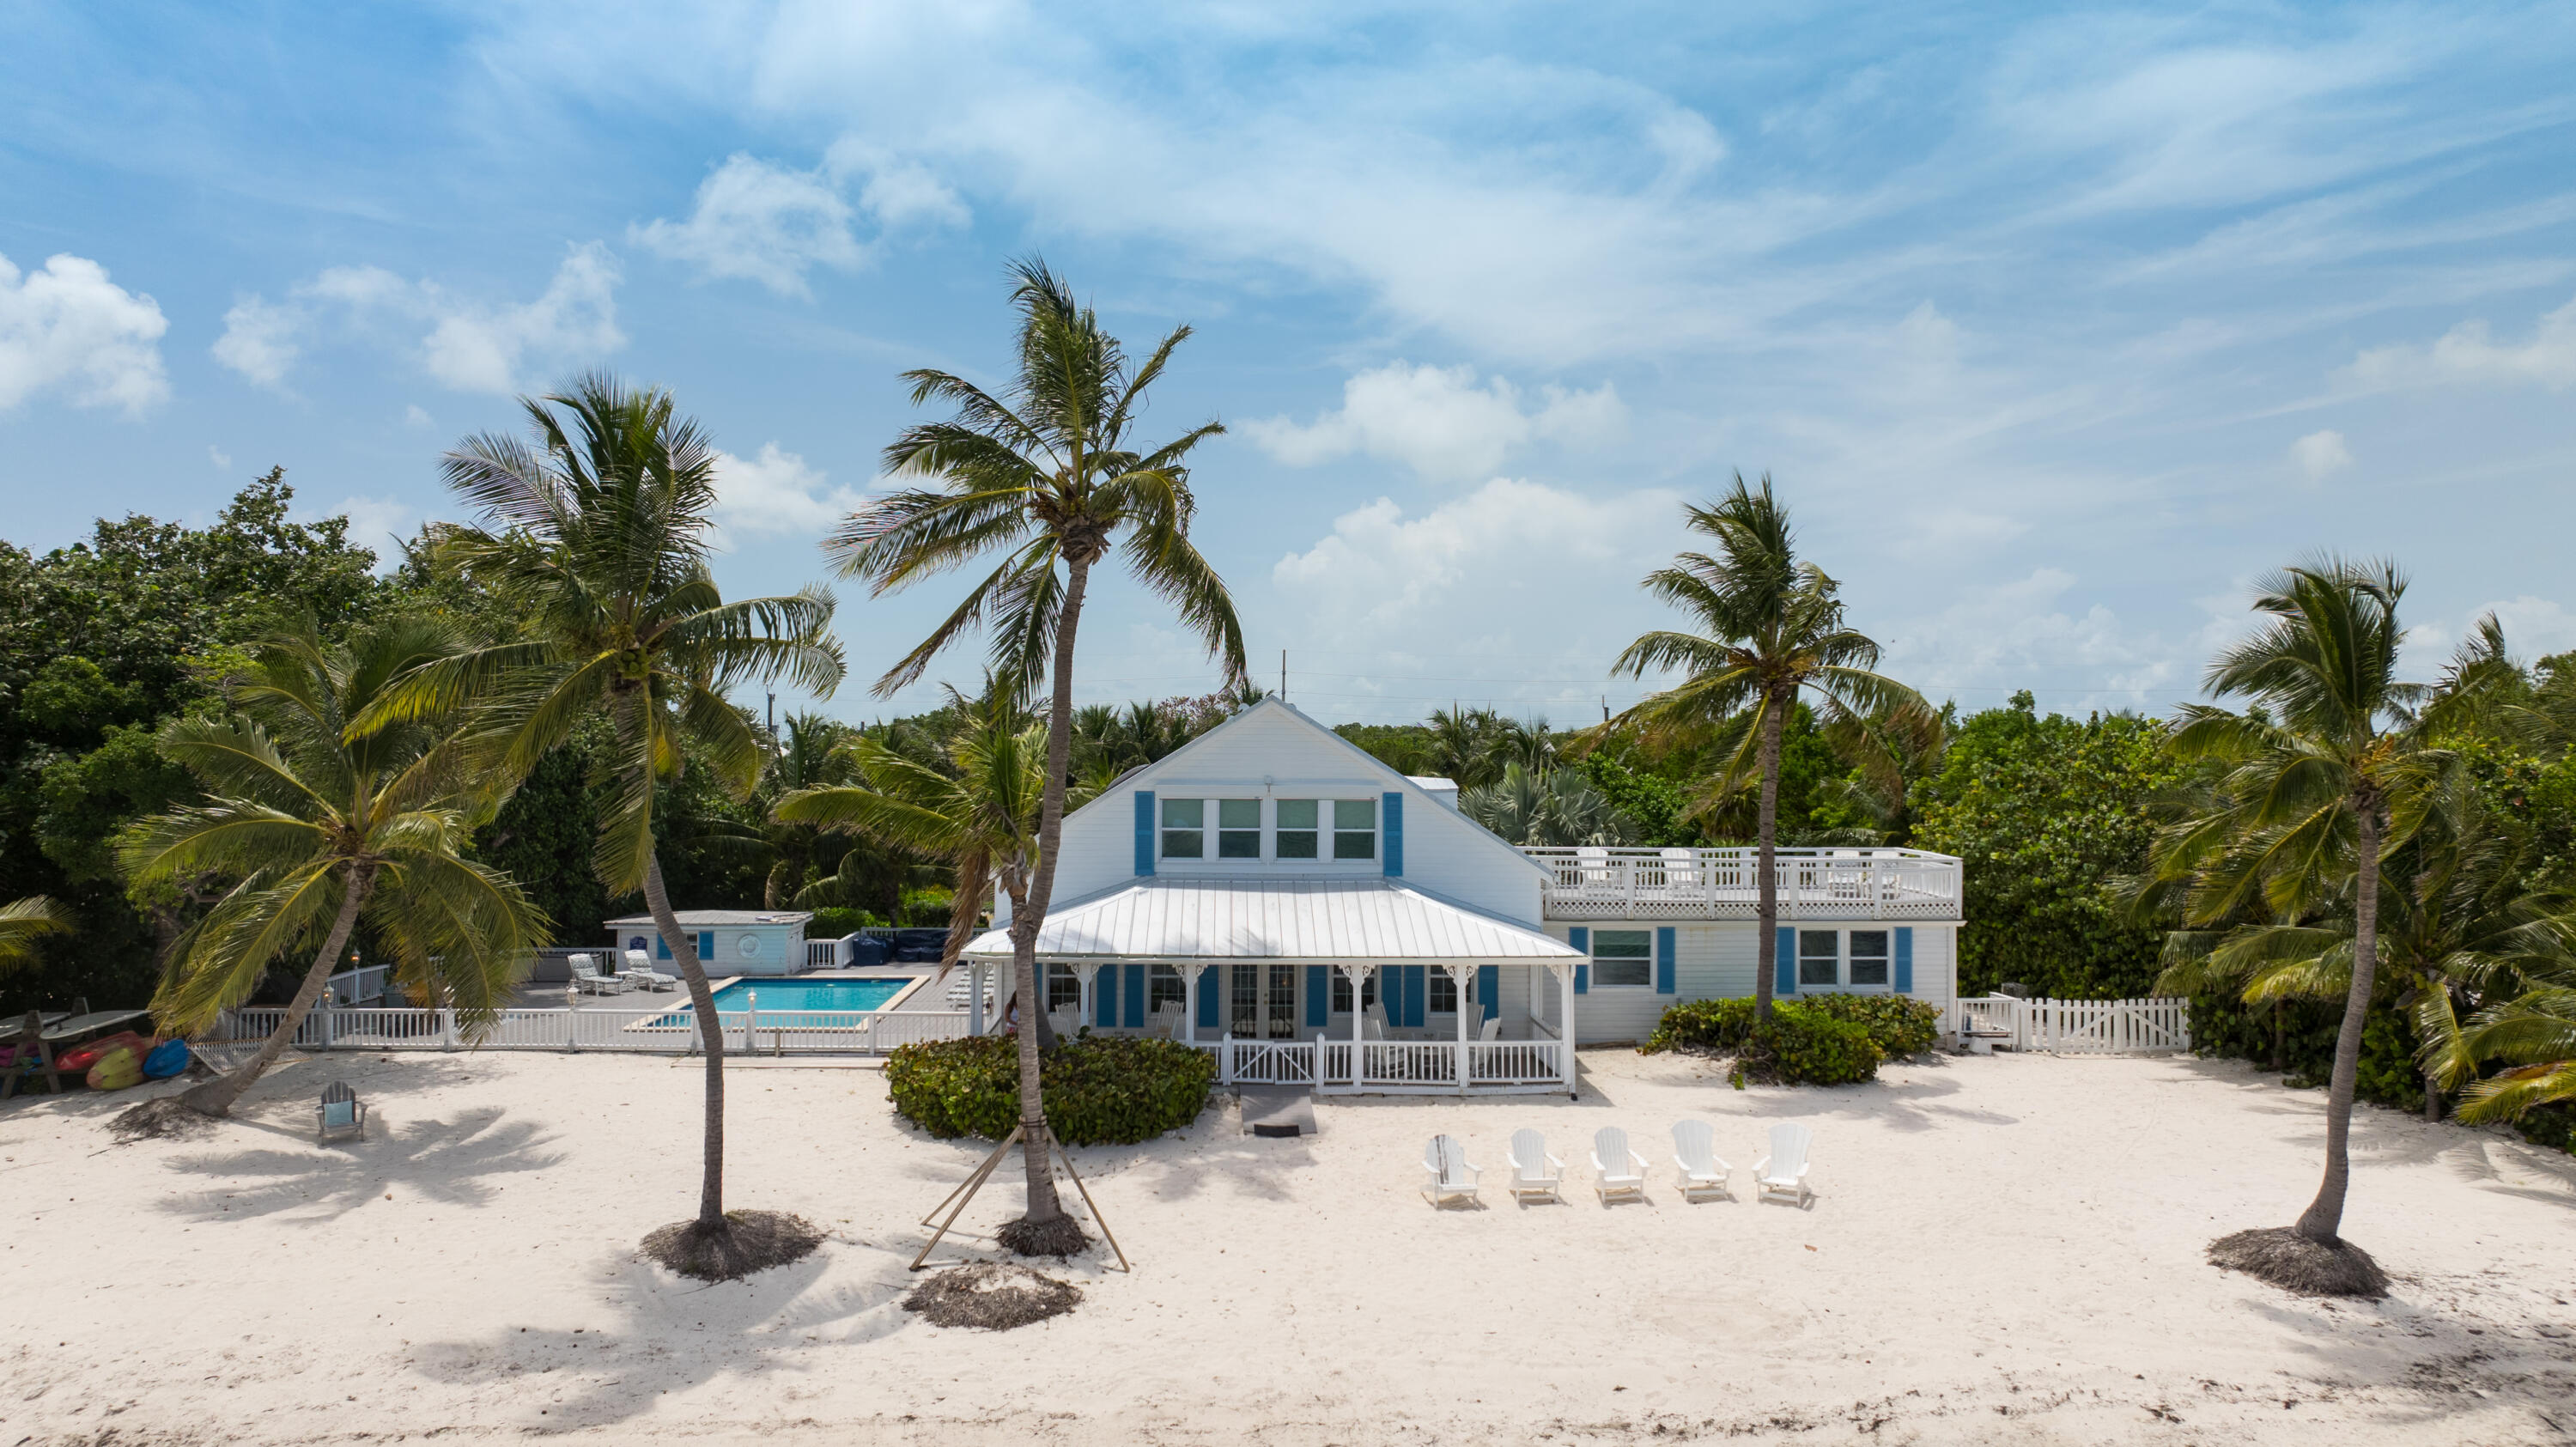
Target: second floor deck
x,y
1683,884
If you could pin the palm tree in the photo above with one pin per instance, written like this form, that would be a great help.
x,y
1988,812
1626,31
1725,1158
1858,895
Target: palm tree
x,y
2533,1034
1557,807
1047,476
807,754
322,819
1771,629
23,922
982,818
599,543
2329,773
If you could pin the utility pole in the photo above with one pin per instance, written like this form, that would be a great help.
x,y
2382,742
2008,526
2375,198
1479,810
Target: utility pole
x,y
773,721
1283,675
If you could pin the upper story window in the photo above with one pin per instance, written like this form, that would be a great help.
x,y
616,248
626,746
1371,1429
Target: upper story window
x,y
1297,828
1238,828
1355,829
1185,828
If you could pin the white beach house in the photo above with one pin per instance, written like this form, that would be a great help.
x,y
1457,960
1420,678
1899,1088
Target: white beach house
x,y
728,941
1276,893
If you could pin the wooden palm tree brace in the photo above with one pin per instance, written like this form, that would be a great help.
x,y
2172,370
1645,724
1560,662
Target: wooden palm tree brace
x,y
966,1189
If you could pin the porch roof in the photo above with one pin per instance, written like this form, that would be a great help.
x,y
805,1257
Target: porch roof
x,y
1167,918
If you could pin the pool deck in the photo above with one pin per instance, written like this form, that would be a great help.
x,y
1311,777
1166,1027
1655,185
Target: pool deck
x,y
919,997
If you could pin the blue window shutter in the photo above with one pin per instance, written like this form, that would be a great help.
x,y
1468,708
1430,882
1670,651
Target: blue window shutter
x,y
706,944
1581,938
1104,998
1144,831
1489,989
661,945
1784,971
1319,995
1211,1008
1664,960
1905,959
1134,1001
1416,987
1392,852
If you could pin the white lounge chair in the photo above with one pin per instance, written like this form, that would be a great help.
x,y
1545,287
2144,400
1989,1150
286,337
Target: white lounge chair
x,y
1784,1172
640,970
1535,1173
1618,1173
1695,1152
1452,1174
587,978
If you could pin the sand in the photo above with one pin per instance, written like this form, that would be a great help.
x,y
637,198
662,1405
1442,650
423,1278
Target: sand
x,y
2003,1250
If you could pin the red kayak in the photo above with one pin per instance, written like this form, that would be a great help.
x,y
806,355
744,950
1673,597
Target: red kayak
x,y
90,1052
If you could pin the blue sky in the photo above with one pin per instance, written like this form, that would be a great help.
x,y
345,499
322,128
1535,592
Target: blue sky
x,y
2055,329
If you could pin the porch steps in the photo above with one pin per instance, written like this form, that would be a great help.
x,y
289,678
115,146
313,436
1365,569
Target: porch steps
x,y
1278,1111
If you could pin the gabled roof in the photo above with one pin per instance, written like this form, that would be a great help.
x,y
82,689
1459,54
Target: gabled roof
x,y
1361,919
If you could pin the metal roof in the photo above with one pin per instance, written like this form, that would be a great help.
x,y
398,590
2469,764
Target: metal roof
x,y
1178,918
719,918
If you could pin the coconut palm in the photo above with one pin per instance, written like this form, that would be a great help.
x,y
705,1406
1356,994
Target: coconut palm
x,y
1771,631
1558,807
23,922
597,539
2533,1034
2331,771
322,819
806,754
1048,476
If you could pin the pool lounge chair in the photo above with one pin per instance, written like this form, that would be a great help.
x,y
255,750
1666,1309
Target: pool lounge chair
x,y
1695,1153
1453,1176
1535,1173
640,970
1618,1173
1783,1173
587,978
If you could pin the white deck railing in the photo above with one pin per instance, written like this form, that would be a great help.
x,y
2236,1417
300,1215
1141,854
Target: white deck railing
x,y
2152,1026
1586,883
665,1030
1391,1066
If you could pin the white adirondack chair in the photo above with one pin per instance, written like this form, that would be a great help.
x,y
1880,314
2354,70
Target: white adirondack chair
x,y
640,970
1535,1173
1618,1173
1493,1029
1376,1023
1452,1175
1695,1152
587,978
1783,1173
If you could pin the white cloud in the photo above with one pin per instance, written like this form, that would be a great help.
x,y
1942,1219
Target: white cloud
x,y
469,346
760,223
379,523
222,460
776,492
2469,353
755,221
414,415
2534,627
2321,455
1440,422
2022,629
68,326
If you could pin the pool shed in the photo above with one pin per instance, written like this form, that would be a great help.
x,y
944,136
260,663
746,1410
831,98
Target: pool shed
x,y
729,941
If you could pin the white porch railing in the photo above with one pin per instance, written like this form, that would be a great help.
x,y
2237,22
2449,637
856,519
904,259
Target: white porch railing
x,y
358,986
2152,1026
1587,883
665,1030
1391,1066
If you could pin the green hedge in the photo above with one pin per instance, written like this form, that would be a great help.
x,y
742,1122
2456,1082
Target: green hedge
x,y
1812,1040
1099,1089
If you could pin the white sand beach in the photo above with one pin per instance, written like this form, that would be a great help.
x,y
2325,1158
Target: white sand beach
x,y
2003,1250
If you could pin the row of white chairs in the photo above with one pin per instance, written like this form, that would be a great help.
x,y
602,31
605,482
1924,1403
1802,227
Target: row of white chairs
x,y
639,974
1619,1172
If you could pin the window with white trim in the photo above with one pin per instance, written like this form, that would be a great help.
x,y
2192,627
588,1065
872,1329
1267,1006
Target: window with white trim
x,y
1185,828
1867,959
1342,992
1064,988
1163,986
1238,828
1623,957
1355,829
1820,957
1296,832
1845,959
1443,993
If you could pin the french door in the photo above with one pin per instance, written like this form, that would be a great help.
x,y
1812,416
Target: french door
x,y
1261,1001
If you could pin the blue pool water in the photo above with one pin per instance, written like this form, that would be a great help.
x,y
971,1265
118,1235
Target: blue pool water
x,y
808,994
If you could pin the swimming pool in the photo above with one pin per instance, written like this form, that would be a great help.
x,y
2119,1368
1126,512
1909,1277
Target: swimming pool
x,y
809,994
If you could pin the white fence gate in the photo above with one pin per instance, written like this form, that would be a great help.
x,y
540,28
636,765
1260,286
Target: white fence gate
x,y
2158,1025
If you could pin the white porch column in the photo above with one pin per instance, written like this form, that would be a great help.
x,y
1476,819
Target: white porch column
x,y
1565,1014
1190,1003
1083,976
976,975
1359,974
1460,975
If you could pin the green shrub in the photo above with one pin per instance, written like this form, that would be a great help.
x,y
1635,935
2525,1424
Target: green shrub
x,y
1807,1047
1898,1025
1099,1089
1701,1025
836,921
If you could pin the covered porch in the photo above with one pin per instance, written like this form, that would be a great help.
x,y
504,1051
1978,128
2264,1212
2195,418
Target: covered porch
x,y
1358,985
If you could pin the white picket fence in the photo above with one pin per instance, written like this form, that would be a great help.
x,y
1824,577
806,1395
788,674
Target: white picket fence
x,y
2158,1025
665,1030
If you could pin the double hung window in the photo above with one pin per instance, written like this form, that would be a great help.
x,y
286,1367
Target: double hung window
x,y
1163,987
1443,992
1355,829
1063,989
1342,992
1185,828
1296,833
1238,828
1820,957
1623,957
1868,959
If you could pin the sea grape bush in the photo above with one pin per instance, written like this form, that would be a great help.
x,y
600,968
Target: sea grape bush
x,y
1100,1090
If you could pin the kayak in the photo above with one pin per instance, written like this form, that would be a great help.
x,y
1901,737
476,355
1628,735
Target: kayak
x,y
116,1070
167,1059
89,1053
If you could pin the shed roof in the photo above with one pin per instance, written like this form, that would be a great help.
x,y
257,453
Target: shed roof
x,y
1322,918
719,918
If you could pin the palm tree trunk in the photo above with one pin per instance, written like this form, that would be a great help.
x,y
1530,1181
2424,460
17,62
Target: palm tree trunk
x,y
2432,1097
1043,1205
1766,830
217,1096
702,1001
2323,1220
